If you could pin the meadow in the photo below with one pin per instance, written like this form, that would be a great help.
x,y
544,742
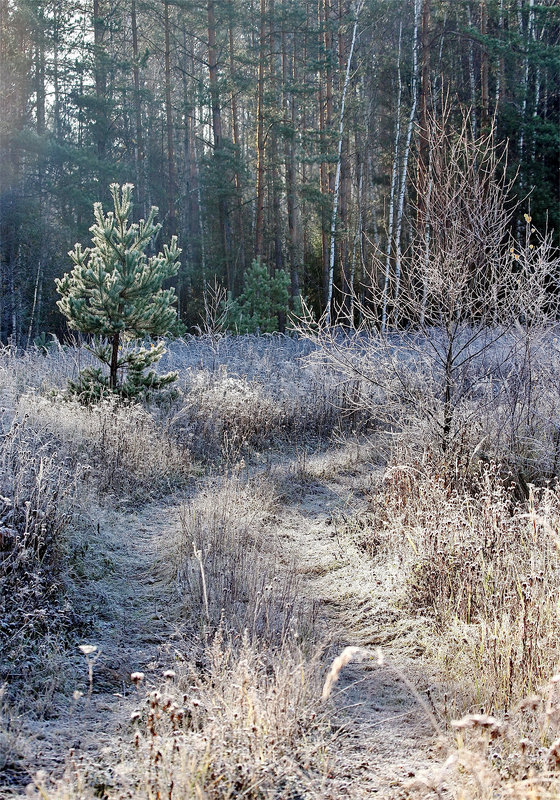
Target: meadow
x,y
294,575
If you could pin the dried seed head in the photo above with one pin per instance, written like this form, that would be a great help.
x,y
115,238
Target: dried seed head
x,y
169,674
554,753
137,677
88,649
530,703
483,721
338,664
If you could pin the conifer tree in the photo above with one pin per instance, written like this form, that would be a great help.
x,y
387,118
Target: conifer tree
x,y
263,302
115,292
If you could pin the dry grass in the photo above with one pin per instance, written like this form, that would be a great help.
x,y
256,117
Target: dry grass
x,y
125,453
37,496
225,415
515,757
244,722
251,726
58,461
484,567
229,570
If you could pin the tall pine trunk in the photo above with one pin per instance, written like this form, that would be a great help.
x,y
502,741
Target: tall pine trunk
x,y
100,68
171,173
139,148
217,132
240,229
260,191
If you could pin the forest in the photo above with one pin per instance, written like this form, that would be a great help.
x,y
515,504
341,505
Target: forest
x,y
281,130
279,400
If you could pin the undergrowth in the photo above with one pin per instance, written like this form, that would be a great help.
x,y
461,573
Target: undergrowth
x,y
37,496
476,548
483,565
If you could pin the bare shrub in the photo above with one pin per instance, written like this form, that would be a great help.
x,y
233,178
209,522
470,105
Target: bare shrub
x,y
432,357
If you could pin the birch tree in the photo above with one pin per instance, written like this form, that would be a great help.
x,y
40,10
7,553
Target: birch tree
x,y
357,11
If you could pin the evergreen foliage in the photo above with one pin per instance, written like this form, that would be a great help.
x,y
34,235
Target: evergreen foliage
x,y
115,292
166,100
264,302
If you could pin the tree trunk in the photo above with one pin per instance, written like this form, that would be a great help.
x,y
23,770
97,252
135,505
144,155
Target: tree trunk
x,y
101,121
276,222
472,81
36,303
40,83
336,191
394,179
259,223
500,76
171,174
406,155
484,101
525,93
217,131
240,232
295,256
114,362
425,92
139,148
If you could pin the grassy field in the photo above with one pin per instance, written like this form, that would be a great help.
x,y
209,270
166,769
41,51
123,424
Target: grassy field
x,y
280,581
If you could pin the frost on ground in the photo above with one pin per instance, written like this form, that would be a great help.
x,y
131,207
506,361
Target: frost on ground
x,y
210,589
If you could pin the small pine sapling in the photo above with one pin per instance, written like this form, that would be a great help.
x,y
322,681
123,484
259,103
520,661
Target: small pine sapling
x,y
115,293
263,303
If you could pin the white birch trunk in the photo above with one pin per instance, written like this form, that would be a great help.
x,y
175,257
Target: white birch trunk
x,y
338,163
404,173
393,192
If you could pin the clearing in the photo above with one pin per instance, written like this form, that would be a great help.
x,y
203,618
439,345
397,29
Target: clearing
x,y
389,730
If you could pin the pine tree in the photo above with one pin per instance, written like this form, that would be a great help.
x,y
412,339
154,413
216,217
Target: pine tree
x,y
264,300
115,292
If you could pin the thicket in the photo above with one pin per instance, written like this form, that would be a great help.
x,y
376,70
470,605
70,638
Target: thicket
x,y
463,345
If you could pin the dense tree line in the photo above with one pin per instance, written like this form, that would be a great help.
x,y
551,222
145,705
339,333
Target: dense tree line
x,y
285,130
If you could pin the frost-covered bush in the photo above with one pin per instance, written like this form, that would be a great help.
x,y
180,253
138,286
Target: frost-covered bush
x,y
223,413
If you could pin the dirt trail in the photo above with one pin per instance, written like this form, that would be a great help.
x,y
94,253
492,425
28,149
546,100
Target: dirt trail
x,y
390,732
131,599
358,599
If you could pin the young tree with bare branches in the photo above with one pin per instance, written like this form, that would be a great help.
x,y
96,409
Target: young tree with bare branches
x,y
467,292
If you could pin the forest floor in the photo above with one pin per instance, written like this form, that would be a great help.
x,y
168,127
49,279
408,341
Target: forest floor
x,y
355,597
